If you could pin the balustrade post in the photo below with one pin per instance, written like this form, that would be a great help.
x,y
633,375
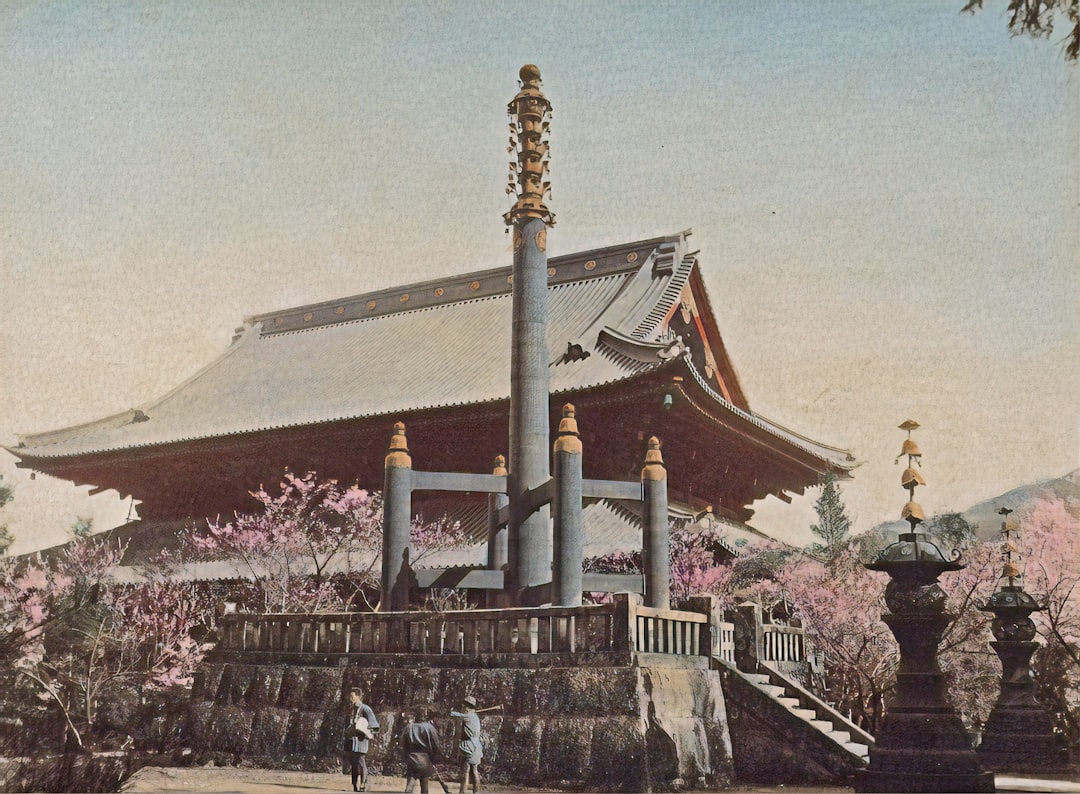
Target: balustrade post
x,y
748,636
705,605
624,622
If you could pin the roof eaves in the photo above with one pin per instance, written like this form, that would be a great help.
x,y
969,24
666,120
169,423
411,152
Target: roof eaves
x,y
30,455
840,458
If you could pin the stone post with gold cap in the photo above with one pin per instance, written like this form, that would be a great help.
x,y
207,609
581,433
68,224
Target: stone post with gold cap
x,y
397,523
529,531
1019,735
569,530
922,745
655,540
496,532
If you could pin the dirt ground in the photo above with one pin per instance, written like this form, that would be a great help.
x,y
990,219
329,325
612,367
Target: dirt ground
x,y
262,781
267,781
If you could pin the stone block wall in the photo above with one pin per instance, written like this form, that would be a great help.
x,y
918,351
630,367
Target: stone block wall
x,y
651,724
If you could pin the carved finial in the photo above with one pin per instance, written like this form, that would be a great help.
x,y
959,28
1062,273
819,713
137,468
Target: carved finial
x,y
500,466
529,74
569,439
530,112
398,457
654,462
910,479
1010,552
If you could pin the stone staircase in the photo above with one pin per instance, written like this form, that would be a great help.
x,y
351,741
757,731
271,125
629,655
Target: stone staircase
x,y
782,722
815,712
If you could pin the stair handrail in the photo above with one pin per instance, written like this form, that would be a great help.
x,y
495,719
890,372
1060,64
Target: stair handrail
x,y
813,701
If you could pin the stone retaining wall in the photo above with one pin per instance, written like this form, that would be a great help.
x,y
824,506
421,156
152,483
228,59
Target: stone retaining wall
x,y
649,724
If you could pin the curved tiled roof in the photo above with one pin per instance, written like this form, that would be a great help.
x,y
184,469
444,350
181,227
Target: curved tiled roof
x,y
430,345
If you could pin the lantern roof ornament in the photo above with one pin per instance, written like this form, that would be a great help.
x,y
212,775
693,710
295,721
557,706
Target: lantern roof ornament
x,y
530,115
1009,596
914,546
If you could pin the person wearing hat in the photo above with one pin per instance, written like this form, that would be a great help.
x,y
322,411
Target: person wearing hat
x,y
472,751
420,750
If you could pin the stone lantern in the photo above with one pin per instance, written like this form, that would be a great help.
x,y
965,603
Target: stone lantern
x,y
1019,734
923,745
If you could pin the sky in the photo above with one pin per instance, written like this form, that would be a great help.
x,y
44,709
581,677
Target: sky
x,y
885,197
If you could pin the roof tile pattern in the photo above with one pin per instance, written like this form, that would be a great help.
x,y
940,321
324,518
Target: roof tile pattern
x,y
444,354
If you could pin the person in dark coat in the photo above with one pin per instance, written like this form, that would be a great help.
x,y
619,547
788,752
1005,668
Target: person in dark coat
x,y
420,749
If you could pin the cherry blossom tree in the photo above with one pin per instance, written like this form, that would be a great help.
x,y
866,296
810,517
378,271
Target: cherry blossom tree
x,y
312,546
1050,528
69,634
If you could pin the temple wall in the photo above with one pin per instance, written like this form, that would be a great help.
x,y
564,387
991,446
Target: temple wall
x,y
641,723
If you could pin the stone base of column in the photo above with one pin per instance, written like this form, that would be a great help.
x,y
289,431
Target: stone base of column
x,y
1022,739
925,749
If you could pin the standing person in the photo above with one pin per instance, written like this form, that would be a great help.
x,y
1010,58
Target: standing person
x,y
361,729
420,749
472,751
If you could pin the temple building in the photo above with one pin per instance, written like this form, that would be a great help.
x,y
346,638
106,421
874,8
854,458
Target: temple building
x,y
620,350
634,342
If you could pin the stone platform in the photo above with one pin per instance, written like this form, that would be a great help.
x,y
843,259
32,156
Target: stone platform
x,y
633,707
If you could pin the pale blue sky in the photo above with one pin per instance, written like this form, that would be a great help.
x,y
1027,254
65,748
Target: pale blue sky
x,y
884,194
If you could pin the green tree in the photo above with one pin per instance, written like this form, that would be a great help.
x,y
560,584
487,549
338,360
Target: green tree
x,y
1037,18
952,531
833,524
5,537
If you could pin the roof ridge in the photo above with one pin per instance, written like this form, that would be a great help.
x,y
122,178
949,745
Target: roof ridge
x,y
575,266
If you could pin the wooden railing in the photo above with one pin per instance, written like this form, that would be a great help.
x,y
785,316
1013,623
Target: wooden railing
x,y
624,626
669,631
723,638
473,632
782,643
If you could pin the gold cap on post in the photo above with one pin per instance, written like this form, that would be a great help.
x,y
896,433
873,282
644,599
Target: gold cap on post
x,y
654,462
569,439
398,457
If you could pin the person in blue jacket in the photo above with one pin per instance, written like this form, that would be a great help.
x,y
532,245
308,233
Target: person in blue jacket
x,y
360,731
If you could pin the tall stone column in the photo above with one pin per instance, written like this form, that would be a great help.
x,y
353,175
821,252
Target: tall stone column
x,y
923,745
569,540
655,540
1019,735
529,531
397,523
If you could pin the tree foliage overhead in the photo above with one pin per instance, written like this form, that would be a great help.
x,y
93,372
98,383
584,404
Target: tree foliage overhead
x,y
1038,19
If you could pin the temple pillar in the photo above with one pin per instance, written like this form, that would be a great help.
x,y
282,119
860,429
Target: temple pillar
x,y
397,523
497,554
529,533
569,531
655,541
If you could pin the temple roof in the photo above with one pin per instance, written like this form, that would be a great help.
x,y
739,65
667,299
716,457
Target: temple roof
x,y
438,344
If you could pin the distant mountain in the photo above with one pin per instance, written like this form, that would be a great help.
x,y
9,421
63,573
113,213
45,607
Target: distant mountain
x,y
984,515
